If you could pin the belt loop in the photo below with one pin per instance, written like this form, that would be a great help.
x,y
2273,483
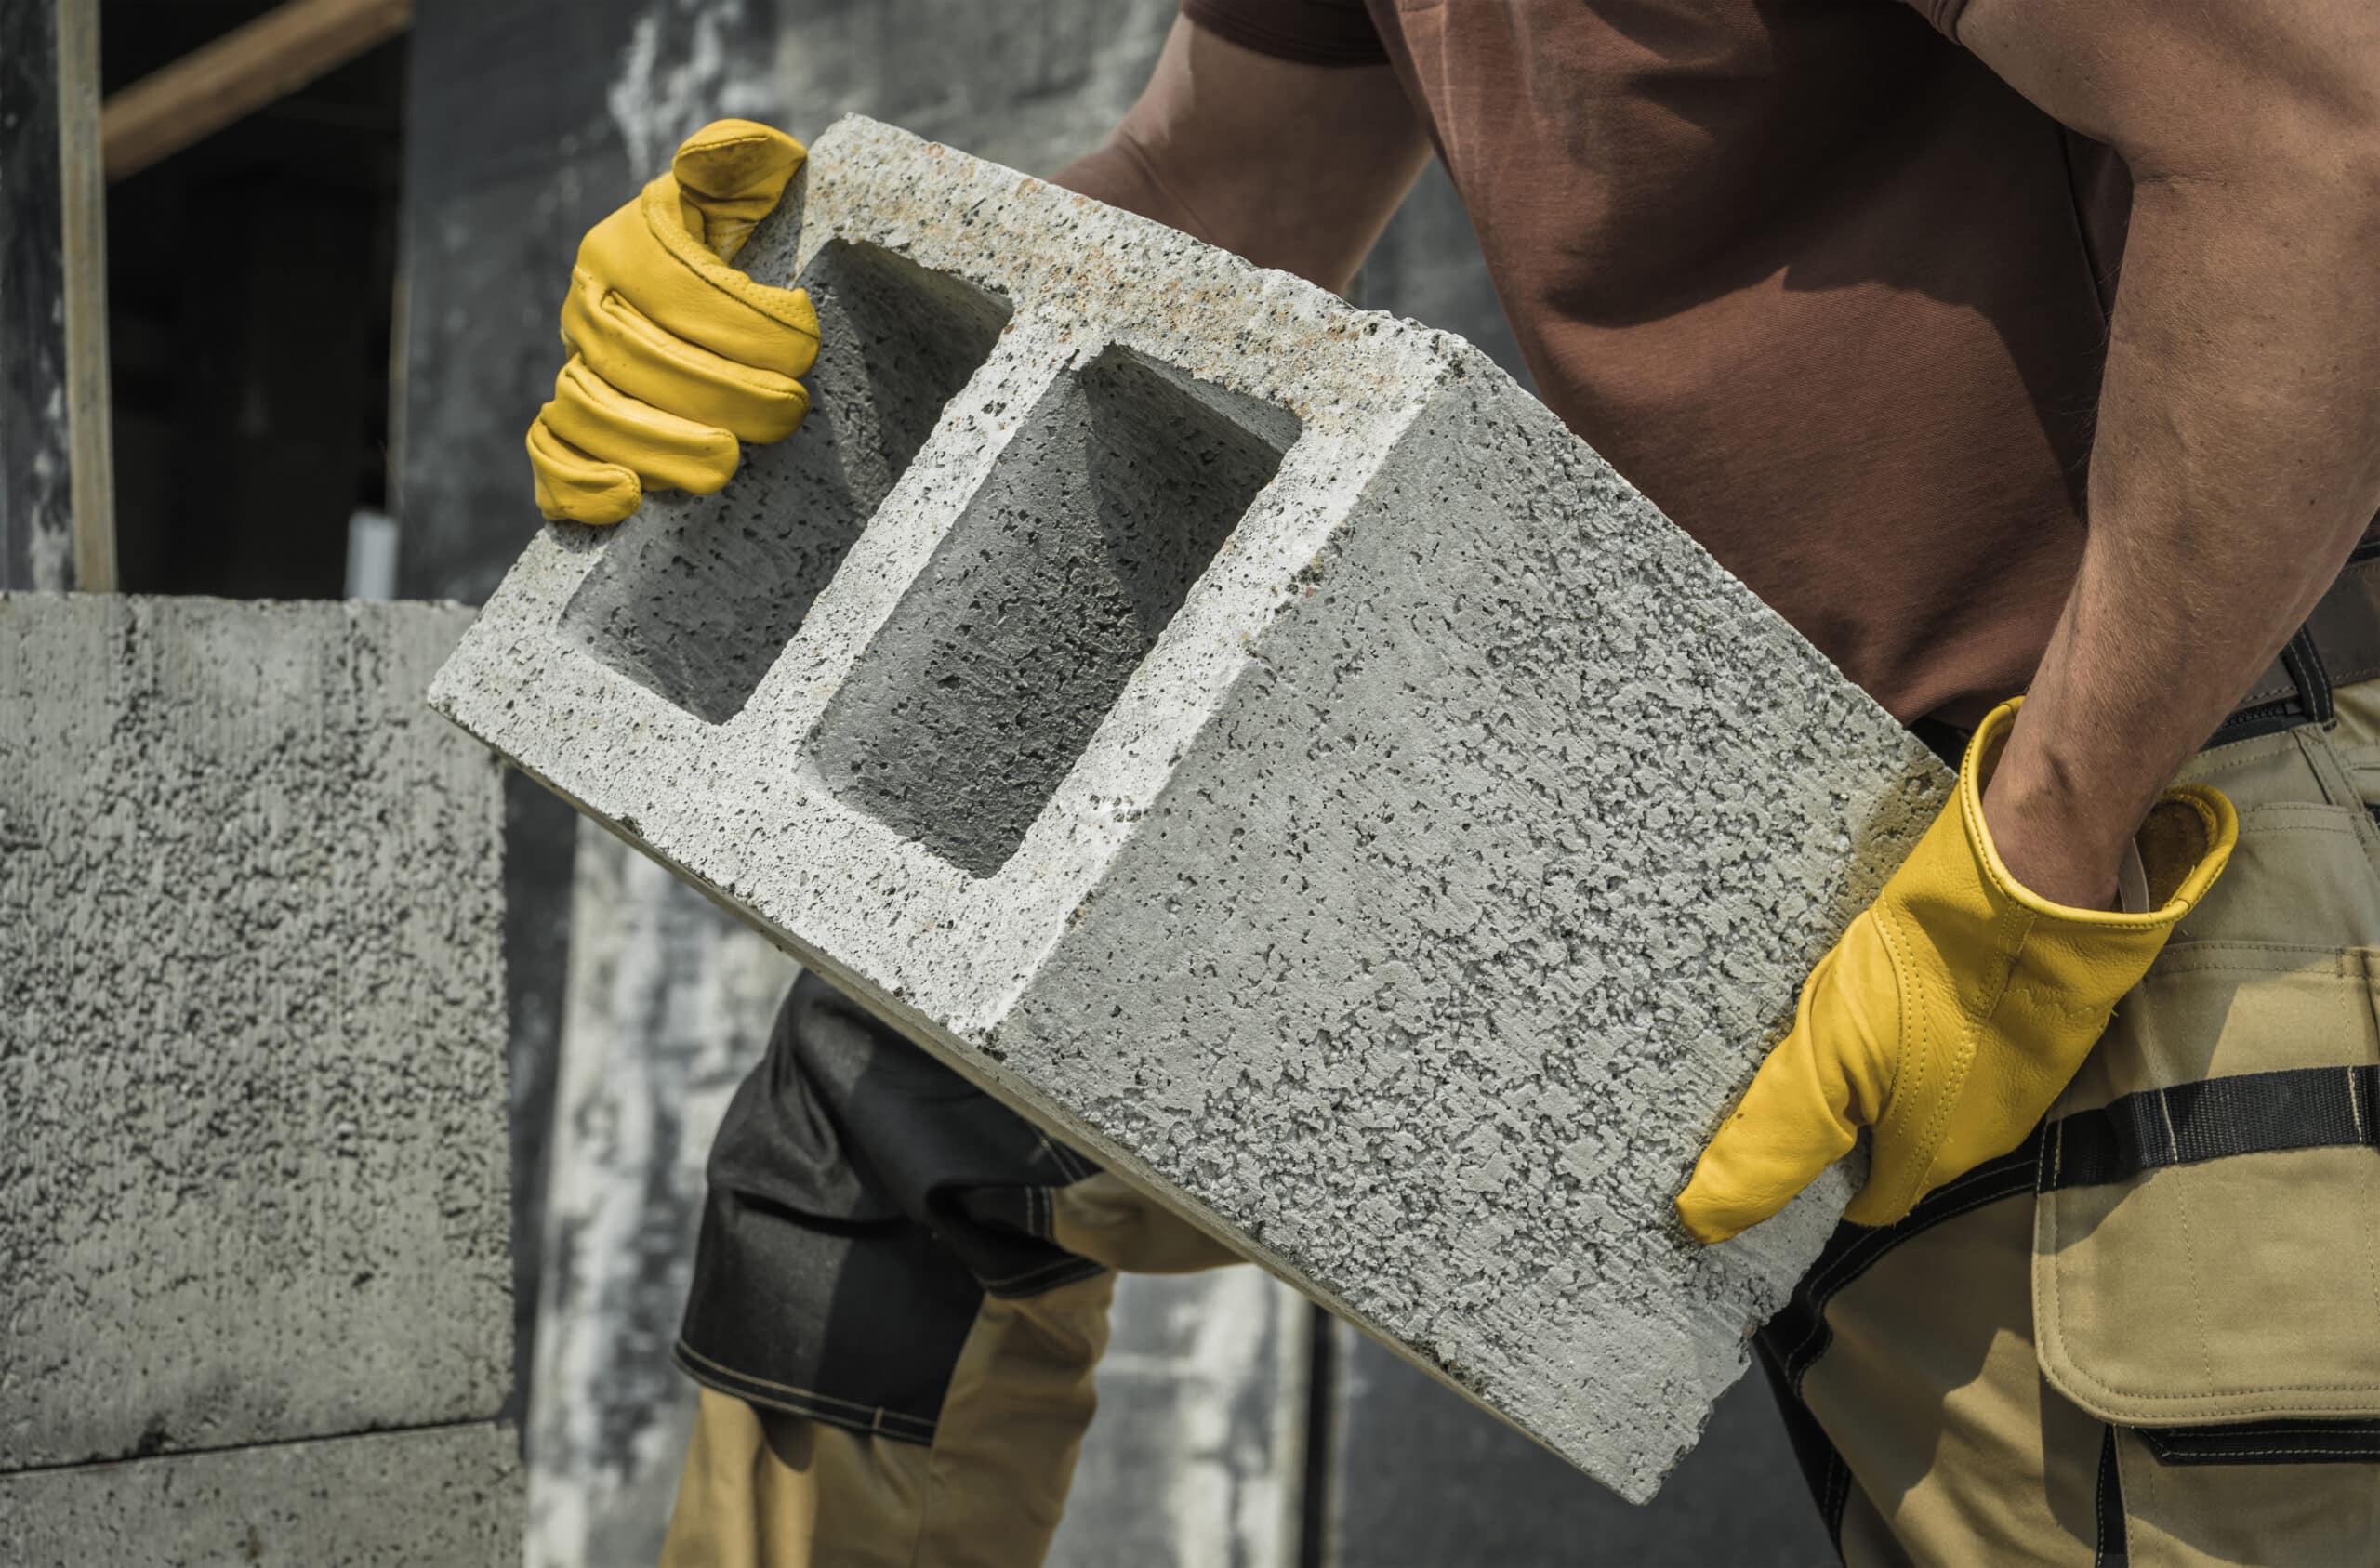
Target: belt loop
x,y
2304,662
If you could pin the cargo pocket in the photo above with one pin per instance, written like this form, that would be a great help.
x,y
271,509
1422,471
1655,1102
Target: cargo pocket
x,y
2206,1246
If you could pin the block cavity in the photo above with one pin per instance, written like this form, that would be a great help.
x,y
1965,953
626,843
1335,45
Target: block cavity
x,y
981,692
698,612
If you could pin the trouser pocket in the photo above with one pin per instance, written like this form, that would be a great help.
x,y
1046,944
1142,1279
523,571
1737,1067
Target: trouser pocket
x,y
2207,1229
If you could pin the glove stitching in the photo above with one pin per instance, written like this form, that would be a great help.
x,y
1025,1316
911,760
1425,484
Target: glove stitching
x,y
671,347
676,243
1911,1064
1962,1062
673,436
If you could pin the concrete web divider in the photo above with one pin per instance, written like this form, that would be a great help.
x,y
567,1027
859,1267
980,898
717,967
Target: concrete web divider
x,y
1259,742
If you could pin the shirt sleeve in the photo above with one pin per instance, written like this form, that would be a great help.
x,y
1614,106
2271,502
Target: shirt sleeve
x,y
1309,31
1943,14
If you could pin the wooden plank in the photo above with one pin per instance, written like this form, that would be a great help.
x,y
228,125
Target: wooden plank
x,y
83,203
240,72
35,452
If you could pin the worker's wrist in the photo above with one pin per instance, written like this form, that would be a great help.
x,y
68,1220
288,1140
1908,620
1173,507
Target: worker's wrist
x,y
2062,839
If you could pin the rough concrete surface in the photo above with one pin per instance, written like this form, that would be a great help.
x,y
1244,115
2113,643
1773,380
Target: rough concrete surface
x,y
1409,909
526,123
252,1119
439,1497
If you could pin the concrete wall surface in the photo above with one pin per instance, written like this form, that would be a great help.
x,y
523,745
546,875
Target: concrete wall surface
x,y
432,1497
1409,914
252,1134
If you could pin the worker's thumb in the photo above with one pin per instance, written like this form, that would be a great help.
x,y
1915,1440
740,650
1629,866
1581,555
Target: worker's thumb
x,y
731,174
1822,1083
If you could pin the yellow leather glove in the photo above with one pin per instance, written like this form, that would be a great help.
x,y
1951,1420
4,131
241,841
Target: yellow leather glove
x,y
675,355
1949,1015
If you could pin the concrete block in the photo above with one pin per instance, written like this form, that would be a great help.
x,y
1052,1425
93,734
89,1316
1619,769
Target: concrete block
x,y
252,1118
438,1498
1261,742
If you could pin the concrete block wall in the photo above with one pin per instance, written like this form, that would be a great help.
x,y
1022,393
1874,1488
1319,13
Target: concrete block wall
x,y
434,1497
1412,841
253,1192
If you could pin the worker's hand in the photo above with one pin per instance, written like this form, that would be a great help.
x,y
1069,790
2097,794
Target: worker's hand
x,y
1951,1014
675,355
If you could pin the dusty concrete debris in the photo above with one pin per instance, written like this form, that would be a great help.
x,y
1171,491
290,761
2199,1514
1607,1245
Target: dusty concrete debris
x,y
1261,742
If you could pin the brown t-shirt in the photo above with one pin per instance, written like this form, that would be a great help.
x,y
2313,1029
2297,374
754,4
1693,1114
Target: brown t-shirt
x,y
1807,273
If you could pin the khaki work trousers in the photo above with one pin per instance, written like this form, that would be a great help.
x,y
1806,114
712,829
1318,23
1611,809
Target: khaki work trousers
x,y
2150,1336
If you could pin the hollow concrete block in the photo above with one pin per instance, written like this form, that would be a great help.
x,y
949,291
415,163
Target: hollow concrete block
x,y
435,1497
252,1096
1259,742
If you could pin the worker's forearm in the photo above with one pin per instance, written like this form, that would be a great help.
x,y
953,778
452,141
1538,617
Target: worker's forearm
x,y
1119,175
2236,461
1291,166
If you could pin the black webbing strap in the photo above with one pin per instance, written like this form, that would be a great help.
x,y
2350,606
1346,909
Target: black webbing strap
x,y
2251,1114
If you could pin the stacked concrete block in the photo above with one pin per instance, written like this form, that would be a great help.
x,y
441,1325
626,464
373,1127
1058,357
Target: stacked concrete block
x,y
439,1497
252,1123
1256,739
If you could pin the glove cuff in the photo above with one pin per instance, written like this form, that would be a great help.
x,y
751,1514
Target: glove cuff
x,y
2184,845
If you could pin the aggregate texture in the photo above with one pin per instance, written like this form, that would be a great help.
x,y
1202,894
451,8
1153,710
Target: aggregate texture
x,y
252,1096
1257,740
438,1498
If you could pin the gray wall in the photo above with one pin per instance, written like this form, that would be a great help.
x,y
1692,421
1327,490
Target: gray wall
x,y
530,119
252,1117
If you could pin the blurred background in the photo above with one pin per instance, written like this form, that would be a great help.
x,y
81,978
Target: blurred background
x,y
317,317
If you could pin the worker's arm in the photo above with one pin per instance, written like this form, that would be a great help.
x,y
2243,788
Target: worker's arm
x,y
2238,454
2238,458
1291,166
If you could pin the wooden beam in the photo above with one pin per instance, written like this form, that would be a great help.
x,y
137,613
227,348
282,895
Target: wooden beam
x,y
57,516
240,72
83,202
